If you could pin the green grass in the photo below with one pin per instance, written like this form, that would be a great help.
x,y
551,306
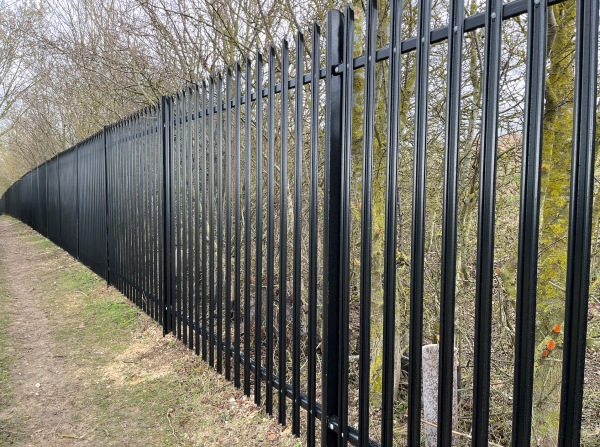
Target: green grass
x,y
120,314
108,318
39,240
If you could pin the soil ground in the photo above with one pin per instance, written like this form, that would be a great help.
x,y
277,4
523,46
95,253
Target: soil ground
x,y
81,365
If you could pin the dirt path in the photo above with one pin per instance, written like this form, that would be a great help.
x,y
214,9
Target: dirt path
x,y
41,387
106,374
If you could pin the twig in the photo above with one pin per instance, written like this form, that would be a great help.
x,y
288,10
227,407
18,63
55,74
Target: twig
x,y
562,289
55,428
550,245
174,435
79,291
458,433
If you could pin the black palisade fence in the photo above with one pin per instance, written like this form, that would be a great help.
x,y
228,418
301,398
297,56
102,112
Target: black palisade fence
x,y
177,207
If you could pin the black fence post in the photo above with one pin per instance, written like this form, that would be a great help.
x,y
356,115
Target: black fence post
x,y
59,237
345,236
486,223
165,139
77,194
45,199
31,224
580,222
37,201
529,223
331,239
106,177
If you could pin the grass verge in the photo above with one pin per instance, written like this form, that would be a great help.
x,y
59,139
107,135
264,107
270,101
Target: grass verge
x,y
129,384
9,431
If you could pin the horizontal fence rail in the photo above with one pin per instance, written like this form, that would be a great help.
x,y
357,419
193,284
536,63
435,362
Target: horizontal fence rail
x,y
189,209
